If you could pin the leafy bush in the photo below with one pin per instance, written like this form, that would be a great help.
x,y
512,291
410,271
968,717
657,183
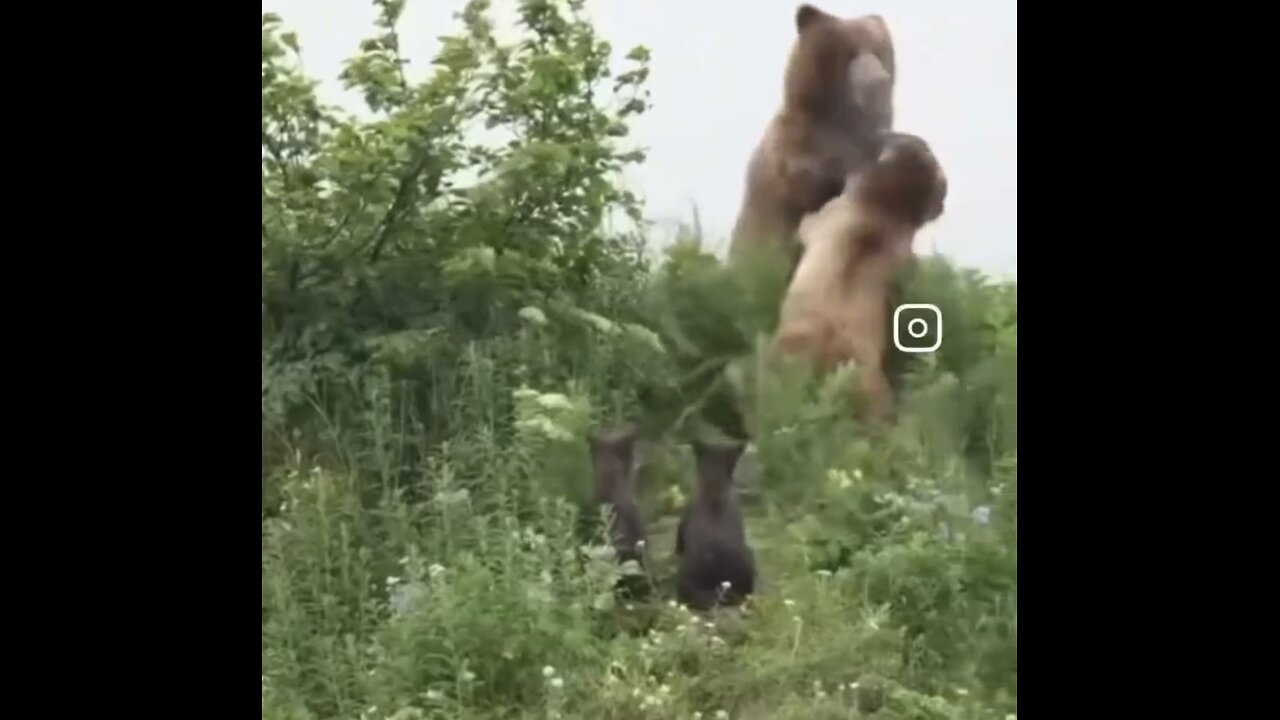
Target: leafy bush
x,y
446,314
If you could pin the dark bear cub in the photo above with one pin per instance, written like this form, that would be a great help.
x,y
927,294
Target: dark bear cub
x,y
613,465
716,566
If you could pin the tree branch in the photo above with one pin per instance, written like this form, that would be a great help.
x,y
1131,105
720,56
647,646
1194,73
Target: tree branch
x,y
404,196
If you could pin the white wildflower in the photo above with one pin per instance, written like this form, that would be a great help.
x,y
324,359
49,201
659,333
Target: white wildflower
x,y
405,597
533,315
555,401
601,324
644,335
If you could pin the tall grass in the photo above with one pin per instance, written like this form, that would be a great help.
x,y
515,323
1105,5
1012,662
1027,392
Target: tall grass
x,y
455,579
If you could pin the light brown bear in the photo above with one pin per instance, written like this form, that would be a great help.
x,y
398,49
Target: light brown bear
x,y
837,105
836,307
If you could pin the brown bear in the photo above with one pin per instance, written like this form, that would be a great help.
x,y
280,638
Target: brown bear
x,y
836,307
837,105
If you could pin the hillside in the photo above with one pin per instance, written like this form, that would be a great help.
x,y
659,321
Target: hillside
x,y
445,319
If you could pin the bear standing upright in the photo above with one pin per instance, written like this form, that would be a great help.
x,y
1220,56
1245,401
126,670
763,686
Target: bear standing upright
x,y
837,104
836,307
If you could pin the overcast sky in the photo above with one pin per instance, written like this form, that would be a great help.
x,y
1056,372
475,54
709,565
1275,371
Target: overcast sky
x,y
717,78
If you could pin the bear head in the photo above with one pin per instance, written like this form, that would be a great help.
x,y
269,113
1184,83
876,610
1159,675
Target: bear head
x,y
842,69
907,182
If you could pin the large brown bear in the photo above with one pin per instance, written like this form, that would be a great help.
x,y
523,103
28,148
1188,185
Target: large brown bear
x,y
838,102
837,306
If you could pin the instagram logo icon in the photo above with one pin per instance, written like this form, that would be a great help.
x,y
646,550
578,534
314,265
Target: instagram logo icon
x,y
917,328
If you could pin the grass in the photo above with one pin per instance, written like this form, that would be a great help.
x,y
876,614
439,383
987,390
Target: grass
x,y
406,578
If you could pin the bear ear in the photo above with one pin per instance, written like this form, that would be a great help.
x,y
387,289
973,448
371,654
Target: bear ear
x,y
879,26
807,15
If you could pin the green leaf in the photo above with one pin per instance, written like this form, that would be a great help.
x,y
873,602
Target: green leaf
x,y
290,39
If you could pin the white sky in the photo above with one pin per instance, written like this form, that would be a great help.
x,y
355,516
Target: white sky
x,y
717,78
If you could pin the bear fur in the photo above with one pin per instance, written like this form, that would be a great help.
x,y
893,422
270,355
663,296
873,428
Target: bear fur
x,y
837,105
613,464
716,566
836,308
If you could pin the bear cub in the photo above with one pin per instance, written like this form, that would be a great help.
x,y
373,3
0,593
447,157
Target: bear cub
x,y
716,565
613,466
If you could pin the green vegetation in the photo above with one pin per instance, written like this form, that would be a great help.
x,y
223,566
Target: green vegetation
x,y
446,312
